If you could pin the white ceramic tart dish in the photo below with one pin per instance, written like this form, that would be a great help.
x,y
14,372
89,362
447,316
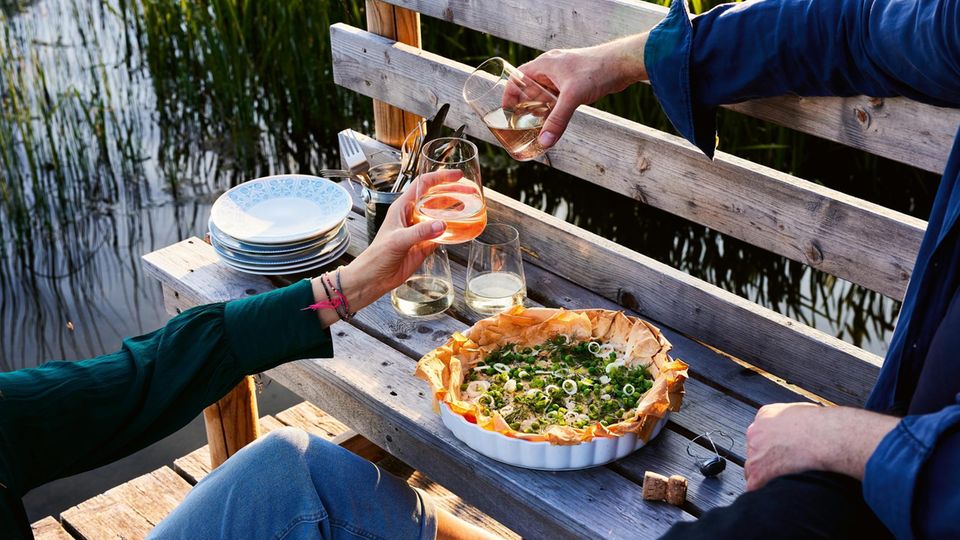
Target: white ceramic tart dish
x,y
543,455
544,441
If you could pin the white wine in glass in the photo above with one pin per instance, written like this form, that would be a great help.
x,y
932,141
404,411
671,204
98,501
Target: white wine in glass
x,y
495,280
494,292
420,296
429,290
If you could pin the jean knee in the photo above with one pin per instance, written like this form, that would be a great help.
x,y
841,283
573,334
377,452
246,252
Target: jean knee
x,y
285,444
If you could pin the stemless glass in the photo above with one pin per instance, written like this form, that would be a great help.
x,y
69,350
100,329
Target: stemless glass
x,y
495,280
512,105
429,290
459,204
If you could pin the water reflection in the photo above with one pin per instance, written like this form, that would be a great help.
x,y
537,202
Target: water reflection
x,y
120,123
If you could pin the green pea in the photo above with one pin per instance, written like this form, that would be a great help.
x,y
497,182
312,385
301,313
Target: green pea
x,y
463,387
514,425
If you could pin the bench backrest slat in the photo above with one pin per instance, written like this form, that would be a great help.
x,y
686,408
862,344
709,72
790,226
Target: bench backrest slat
x,y
839,234
900,129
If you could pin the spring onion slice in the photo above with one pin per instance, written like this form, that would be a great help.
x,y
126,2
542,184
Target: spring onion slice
x,y
478,386
570,386
628,389
502,368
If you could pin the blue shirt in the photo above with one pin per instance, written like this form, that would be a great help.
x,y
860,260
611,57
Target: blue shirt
x,y
880,48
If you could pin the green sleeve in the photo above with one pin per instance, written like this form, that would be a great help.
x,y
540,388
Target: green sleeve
x,y
67,417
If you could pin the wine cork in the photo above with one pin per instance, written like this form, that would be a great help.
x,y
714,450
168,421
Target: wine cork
x,y
654,486
676,490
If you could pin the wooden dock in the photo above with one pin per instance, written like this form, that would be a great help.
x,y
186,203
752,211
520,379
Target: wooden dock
x,y
131,510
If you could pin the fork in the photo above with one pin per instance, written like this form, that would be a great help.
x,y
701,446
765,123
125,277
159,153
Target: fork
x,y
353,156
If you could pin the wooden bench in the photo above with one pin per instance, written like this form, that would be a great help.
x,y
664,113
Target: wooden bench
x,y
741,355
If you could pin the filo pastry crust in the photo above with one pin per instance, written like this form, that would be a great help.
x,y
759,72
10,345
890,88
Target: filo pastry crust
x,y
445,367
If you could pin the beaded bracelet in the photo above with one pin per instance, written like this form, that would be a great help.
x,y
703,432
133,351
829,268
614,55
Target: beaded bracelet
x,y
336,301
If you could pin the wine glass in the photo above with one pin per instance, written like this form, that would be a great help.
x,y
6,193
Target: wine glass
x,y
459,204
512,105
495,279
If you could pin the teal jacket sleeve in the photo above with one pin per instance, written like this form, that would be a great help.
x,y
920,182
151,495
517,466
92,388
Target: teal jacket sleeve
x,y
63,418
764,48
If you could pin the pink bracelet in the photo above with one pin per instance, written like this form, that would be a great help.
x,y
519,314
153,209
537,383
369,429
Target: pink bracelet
x,y
336,301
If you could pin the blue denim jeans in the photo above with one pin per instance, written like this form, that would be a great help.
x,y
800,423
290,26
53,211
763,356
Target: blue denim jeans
x,y
292,485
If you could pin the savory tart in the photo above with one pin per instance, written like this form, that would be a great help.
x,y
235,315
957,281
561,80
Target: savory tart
x,y
557,375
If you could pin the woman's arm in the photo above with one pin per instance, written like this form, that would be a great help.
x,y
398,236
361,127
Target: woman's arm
x,y
764,48
63,418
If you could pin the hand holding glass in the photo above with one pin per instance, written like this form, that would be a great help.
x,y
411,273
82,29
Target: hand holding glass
x,y
512,105
459,204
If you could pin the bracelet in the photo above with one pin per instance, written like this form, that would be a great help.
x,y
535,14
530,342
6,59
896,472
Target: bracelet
x,y
346,305
343,310
336,300
329,303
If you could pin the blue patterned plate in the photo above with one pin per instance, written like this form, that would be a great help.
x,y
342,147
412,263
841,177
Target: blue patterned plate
x,y
281,209
267,250
281,259
312,264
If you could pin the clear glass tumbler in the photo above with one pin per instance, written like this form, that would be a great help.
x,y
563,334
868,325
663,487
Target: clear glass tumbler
x,y
512,105
495,280
429,291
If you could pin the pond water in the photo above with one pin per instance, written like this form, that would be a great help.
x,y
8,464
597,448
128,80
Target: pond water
x,y
121,121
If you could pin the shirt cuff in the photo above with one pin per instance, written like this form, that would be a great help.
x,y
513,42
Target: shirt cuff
x,y
273,328
893,471
666,58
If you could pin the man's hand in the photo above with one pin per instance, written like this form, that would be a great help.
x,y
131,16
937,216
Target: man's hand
x,y
581,76
788,438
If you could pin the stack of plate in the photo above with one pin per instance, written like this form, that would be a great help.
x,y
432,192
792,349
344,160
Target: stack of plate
x,y
284,224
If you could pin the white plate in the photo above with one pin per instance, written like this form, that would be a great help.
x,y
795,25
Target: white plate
x,y
271,249
292,269
543,455
281,209
280,259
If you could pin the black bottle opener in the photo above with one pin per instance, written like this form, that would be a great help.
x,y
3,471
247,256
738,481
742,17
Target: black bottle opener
x,y
715,464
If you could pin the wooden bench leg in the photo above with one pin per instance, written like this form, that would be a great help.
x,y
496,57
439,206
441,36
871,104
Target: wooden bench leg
x,y
399,24
232,422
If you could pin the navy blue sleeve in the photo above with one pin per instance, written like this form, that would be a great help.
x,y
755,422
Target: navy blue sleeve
x,y
764,48
911,479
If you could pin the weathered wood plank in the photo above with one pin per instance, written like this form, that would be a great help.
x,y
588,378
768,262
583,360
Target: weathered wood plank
x,y
153,495
828,230
104,518
900,129
371,385
49,528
